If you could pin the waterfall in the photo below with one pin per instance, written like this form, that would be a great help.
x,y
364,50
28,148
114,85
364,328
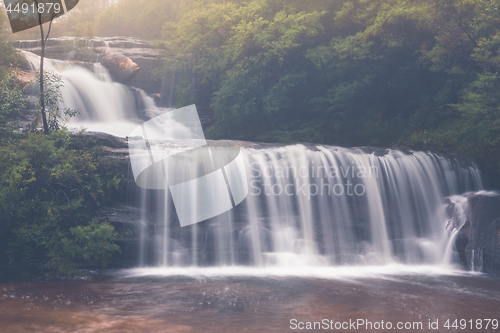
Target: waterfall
x,y
319,206
104,105
308,205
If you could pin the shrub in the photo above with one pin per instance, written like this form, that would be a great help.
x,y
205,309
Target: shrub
x,y
51,189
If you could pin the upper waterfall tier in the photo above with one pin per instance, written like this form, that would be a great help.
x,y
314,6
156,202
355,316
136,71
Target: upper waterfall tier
x,y
91,50
103,105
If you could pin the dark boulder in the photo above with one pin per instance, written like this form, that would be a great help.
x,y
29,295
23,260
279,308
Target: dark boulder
x,y
106,140
149,78
121,68
484,239
478,242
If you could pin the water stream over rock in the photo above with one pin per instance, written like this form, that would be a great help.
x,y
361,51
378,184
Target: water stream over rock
x,y
325,233
308,205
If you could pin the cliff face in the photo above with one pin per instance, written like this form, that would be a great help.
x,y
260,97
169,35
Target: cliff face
x,y
484,234
478,242
85,51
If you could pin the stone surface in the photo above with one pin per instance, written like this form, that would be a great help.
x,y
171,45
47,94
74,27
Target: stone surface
x,y
121,68
125,221
106,140
478,242
139,51
25,76
484,234
149,77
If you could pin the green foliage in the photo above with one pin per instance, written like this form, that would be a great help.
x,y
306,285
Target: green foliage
x,y
12,102
140,18
7,52
241,52
90,243
184,92
345,72
348,72
55,113
51,188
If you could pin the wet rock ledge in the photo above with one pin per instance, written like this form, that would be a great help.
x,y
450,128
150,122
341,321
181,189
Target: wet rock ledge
x,y
478,242
85,51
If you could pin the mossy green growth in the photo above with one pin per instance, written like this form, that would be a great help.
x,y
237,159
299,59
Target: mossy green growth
x,y
51,190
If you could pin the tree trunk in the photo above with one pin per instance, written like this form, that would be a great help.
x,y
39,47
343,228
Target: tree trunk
x,y
42,56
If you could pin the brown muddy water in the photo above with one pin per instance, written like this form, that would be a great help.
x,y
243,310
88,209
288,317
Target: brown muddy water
x,y
128,301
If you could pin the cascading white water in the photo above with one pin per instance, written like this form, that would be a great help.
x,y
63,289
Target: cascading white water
x,y
307,206
104,105
455,223
320,206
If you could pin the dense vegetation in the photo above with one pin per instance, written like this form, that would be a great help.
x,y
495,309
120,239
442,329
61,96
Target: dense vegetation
x,y
11,90
51,187
140,18
51,190
348,72
419,73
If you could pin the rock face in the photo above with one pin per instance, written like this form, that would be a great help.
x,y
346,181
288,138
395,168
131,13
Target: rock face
x,y
95,49
478,242
484,232
106,140
146,79
25,77
121,68
124,219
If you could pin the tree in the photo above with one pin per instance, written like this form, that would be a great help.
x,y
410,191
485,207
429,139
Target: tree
x,y
53,101
250,59
139,18
43,39
12,102
12,91
7,51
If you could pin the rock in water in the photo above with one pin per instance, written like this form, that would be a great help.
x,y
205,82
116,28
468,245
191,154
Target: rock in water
x,y
121,68
484,237
478,242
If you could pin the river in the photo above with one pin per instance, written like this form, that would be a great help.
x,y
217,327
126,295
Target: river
x,y
253,301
